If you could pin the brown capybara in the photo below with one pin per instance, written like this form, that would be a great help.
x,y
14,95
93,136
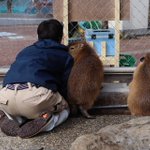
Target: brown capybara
x,y
86,77
139,89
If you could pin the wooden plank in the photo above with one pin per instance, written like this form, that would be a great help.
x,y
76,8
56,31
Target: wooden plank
x,y
117,32
91,10
65,21
103,44
107,61
112,99
118,74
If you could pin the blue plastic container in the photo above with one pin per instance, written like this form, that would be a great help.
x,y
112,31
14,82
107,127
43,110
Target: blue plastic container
x,y
99,36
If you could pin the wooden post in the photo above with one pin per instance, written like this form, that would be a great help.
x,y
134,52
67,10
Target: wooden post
x,y
103,54
65,21
117,32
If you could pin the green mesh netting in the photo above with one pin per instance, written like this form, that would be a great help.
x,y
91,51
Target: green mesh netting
x,y
127,60
90,25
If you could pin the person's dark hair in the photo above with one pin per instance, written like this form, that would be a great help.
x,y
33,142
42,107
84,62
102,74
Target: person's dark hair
x,y
50,29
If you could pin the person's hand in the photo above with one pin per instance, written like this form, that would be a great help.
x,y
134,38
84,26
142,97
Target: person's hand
x,y
61,106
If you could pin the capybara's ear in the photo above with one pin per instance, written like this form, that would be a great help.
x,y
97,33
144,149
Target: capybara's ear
x,y
142,59
82,45
147,57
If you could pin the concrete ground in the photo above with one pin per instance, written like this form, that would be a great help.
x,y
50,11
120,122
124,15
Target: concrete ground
x,y
61,137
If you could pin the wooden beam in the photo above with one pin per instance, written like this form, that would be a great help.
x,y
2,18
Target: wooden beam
x,y
104,48
117,32
65,21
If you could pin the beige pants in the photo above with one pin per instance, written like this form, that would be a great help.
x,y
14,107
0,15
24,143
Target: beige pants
x,y
31,102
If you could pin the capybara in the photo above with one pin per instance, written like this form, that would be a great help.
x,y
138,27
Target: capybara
x,y
139,89
86,77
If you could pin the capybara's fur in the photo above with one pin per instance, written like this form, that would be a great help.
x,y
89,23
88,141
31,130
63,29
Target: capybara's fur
x,y
86,77
139,89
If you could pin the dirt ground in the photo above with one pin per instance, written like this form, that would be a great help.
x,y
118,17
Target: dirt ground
x,y
62,136
14,38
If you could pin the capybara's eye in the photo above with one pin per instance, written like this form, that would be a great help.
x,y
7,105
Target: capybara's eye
x,y
71,48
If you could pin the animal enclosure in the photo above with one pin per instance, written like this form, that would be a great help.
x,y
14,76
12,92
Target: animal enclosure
x,y
119,29
82,10
131,27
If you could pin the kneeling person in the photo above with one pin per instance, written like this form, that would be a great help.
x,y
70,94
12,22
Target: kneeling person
x,y
34,90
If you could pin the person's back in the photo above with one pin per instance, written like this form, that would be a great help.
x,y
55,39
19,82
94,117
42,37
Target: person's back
x,y
42,64
37,81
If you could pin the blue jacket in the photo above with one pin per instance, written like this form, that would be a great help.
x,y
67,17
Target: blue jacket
x,y
45,63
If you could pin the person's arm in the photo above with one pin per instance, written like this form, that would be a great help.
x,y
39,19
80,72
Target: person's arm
x,y
68,67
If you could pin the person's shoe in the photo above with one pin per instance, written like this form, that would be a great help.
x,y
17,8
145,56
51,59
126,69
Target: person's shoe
x,y
33,127
9,127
